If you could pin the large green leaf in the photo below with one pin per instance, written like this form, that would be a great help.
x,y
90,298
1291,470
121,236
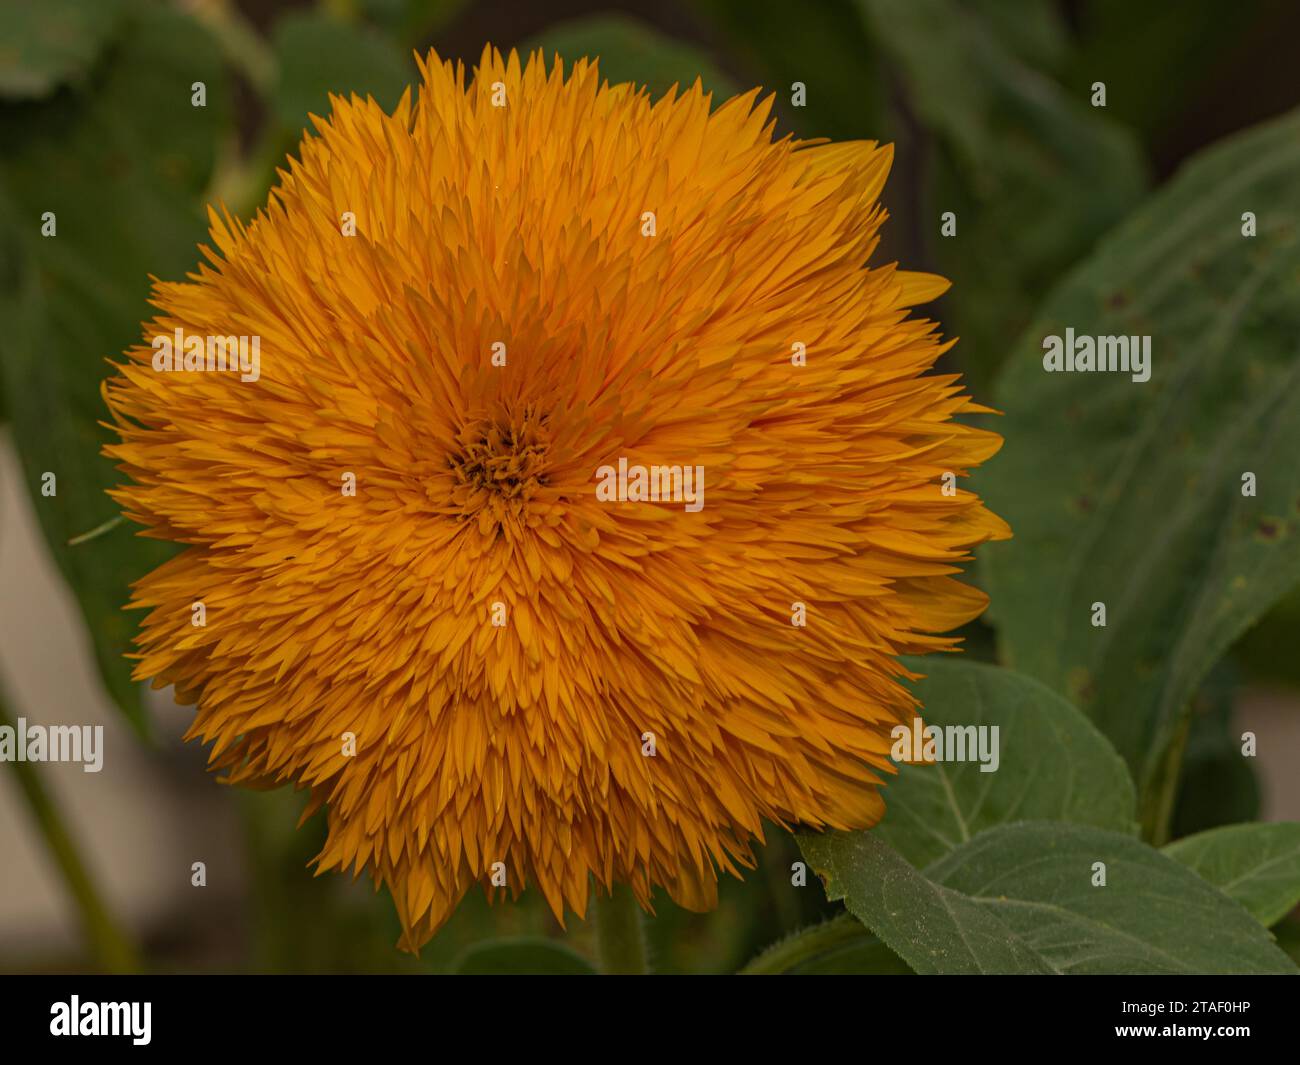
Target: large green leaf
x,y
1021,898
933,929
1034,30
1034,174
121,166
1130,494
318,55
1053,764
1258,865
631,51
45,43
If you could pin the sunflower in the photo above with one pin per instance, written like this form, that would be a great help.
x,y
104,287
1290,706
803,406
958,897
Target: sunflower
x,y
415,602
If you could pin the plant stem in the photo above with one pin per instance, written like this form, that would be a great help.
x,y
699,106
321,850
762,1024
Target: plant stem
x,y
237,182
239,43
778,858
619,936
1157,806
108,943
785,955
97,531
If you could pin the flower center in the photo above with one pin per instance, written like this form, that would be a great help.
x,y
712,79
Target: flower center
x,y
498,463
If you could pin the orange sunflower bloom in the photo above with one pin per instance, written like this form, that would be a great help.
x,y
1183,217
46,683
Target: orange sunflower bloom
x,y
420,604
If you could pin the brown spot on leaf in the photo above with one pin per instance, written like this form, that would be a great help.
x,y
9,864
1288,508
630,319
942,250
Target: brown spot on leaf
x,y
1080,683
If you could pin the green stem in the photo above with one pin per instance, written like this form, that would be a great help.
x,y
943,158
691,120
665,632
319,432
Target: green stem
x,y
793,950
1160,796
110,946
97,531
239,43
620,937
238,182
780,855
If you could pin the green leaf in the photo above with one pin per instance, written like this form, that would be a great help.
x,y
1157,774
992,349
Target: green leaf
x,y
1033,174
122,167
1053,764
318,55
1020,898
1130,494
1032,29
631,51
933,929
47,43
523,956
1258,865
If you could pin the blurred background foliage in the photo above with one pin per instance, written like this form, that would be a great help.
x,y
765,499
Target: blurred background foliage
x,y
987,101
